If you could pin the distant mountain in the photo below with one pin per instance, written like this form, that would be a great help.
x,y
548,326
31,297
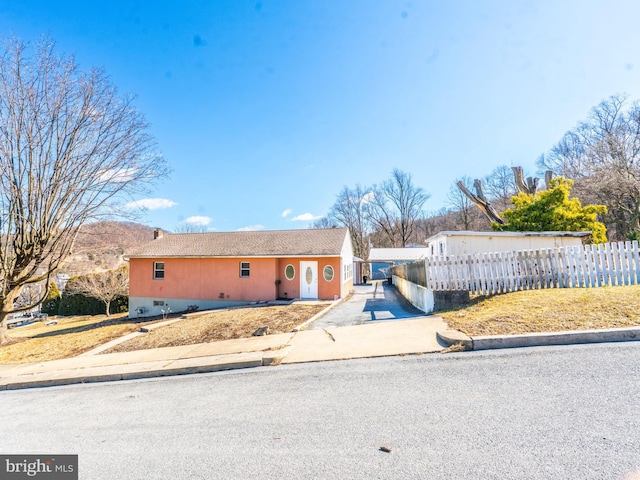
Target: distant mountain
x,y
100,246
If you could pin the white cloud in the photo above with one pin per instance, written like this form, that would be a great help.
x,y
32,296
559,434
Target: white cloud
x,y
306,217
251,228
200,220
150,204
369,197
119,175
286,213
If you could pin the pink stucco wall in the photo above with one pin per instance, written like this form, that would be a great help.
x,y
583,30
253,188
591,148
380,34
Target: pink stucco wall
x,y
326,290
208,278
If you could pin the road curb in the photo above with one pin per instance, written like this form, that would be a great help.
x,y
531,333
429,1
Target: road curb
x,y
557,338
144,370
627,334
274,357
454,337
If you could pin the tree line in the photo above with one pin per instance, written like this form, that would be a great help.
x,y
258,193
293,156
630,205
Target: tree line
x,y
391,215
602,156
597,164
386,214
601,159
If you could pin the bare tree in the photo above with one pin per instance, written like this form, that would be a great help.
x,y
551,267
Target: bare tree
x,y
481,201
324,222
71,148
190,228
30,295
105,286
500,186
602,156
395,207
435,222
461,204
348,211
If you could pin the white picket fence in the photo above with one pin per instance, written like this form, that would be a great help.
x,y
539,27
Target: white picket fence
x,y
566,267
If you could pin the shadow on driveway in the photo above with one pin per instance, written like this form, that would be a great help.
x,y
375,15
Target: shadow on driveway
x,y
371,302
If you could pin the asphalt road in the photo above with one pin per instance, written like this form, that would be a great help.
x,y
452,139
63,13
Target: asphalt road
x,y
538,413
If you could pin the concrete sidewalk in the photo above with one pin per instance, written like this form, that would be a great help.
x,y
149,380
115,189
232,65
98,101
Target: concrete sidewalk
x,y
371,340
204,357
374,339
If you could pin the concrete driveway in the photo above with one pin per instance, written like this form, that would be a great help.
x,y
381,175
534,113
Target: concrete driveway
x,y
371,302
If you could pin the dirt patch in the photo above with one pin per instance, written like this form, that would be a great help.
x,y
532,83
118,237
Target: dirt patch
x,y
223,325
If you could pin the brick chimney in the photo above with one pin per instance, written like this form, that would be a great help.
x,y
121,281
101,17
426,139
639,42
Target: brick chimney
x,y
157,233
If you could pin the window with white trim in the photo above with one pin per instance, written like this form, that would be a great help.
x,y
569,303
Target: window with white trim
x,y
245,269
158,270
290,272
347,271
327,273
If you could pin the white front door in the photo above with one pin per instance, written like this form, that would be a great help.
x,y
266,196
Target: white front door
x,y
309,280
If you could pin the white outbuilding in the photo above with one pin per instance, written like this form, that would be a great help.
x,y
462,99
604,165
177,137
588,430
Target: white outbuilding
x,y
448,243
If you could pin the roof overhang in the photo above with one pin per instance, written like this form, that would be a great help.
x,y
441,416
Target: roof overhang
x,y
301,255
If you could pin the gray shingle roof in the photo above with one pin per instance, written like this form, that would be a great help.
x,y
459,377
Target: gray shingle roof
x,y
269,243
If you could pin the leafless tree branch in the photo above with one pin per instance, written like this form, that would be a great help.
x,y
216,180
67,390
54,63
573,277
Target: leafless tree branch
x,y
70,147
481,202
396,207
105,286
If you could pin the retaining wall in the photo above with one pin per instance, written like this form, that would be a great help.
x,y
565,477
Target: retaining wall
x,y
419,296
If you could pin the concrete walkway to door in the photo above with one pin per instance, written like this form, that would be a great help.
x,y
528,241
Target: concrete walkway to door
x,y
370,302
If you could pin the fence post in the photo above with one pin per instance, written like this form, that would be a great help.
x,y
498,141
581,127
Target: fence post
x,y
575,267
635,255
626,250
598,253
584,274
615,262
591,265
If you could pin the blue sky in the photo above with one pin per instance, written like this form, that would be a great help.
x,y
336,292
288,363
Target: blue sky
x,y
266,109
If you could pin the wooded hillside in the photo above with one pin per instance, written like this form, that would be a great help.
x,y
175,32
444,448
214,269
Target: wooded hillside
x,y
100,246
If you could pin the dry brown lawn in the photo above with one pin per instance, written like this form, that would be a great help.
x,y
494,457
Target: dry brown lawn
x,y
548,311
223,325
73,336
70,337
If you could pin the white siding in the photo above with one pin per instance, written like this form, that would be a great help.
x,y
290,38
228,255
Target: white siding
x,y
460,244
346,259
468,245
